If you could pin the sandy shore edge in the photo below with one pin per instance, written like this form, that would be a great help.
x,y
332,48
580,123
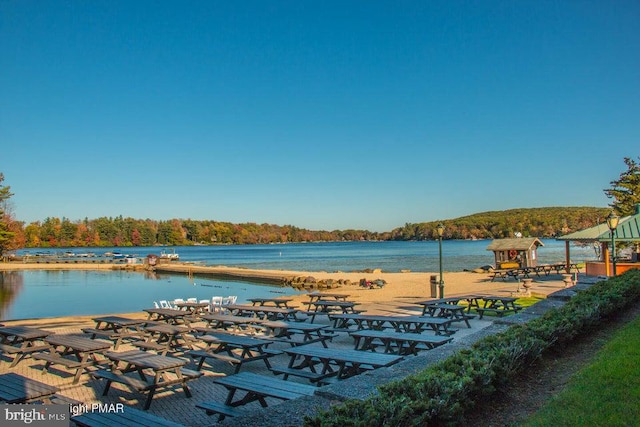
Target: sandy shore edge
x,y
399,296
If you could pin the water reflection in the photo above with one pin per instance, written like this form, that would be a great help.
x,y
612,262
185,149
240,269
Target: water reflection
x,y
11,283
49,293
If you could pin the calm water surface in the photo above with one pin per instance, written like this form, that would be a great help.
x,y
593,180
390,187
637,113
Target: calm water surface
x,y
60,293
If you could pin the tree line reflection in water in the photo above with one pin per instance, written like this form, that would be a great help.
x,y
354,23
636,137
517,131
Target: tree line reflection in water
x,y
11,283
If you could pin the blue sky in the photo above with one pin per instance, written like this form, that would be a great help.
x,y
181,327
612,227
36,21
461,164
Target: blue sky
x,y
323,115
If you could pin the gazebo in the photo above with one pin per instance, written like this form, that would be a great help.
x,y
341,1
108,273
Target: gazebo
x,y
628,230
516,252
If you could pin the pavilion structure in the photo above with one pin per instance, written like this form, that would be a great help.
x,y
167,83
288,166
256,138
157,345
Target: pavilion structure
x,y
627,231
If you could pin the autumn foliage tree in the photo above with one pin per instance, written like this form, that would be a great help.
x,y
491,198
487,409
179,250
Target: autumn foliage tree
x,y
6,222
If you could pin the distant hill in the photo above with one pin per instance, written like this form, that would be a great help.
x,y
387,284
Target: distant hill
x,y
531,222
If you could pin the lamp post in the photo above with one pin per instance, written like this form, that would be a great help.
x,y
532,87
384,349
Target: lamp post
x,y
440,230
612,223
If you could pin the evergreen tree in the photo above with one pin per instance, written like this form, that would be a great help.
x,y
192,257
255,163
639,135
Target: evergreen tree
x,y
626,190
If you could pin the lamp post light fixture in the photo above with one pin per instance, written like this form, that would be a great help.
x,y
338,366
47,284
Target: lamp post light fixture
x,y
440,230
612,223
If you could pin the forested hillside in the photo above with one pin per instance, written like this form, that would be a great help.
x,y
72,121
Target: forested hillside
x,y
533,222
119,231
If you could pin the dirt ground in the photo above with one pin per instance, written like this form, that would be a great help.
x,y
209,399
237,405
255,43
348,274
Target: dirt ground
x,y
530,391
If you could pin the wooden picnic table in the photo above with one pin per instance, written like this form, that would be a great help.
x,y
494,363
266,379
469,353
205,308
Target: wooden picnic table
x,y
326,307
169,315
318,364
154,371
498,305
22,341
472,302
230,322
256,388
234,349
193,308
504,273
416,324
454,312
396,342
263,312
276,302
317,296
73,353
116,329
289,331
15,388
162,337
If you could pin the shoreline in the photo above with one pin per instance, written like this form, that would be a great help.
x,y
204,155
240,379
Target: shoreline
x,y
402,289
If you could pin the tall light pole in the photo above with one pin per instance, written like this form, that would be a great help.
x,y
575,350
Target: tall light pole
x,y
612,223
440,230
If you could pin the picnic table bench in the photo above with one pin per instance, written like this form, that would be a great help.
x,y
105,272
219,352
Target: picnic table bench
x,y
128,417
193,308
324,365
164,338
396,342
116,329
264,312
327,307
234,349
229,322
441,326
169,315
15,388
504,274
498,305
454,312
275,302
288,331
73,353
256,388
472,301
22,341
154,372
317,296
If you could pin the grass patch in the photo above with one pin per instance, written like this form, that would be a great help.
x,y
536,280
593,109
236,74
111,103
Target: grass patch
x,y
528,301
522,302
606,393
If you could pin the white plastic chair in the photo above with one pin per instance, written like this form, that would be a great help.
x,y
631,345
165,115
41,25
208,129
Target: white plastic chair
x,y
229,300
206,301
192,299
165,304
216,304
156,305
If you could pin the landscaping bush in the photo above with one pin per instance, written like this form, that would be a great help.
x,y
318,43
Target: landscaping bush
x,y
444,392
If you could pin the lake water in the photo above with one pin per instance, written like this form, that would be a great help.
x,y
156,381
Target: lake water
x,y
47,293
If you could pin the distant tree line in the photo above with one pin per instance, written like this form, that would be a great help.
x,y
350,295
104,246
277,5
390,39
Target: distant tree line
x,y
120,231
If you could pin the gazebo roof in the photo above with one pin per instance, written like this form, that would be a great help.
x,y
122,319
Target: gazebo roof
x,y
591,234
628,231
518,244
